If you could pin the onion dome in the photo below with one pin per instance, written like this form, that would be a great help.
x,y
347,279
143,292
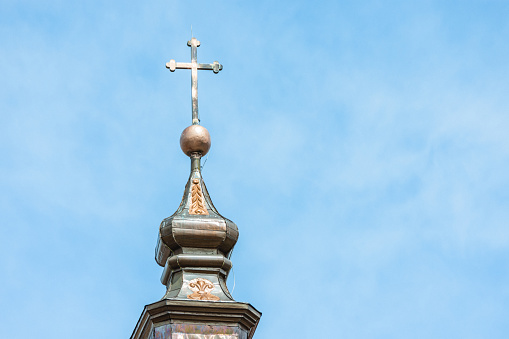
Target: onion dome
x,y
196,241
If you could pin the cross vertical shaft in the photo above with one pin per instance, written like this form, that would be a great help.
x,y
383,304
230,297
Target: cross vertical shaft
x,y
193,43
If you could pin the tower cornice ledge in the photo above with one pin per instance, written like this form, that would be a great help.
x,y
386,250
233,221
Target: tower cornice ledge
x,y
173,316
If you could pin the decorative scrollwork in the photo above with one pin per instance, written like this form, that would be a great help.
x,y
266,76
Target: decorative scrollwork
x,y
201,288
197,205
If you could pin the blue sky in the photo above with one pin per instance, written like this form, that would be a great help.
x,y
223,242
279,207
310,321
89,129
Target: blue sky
x,y
362,147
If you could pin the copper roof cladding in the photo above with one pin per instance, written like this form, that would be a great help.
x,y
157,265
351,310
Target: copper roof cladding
x,y
185,232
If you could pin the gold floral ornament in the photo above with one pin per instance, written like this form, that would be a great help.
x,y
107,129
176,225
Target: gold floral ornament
x,y
197,200
201,288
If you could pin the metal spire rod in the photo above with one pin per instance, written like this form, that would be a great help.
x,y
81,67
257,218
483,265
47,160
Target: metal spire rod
x,y
194,66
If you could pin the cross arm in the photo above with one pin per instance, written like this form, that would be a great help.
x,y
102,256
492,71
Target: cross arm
x,y
215,66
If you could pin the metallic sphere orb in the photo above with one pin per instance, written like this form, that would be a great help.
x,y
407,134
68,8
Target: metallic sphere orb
x,y
195,138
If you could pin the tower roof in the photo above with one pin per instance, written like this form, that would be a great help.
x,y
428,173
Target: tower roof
x,y
195,243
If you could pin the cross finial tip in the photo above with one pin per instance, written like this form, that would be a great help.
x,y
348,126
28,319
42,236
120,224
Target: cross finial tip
x,y
216,67
172,65
193,42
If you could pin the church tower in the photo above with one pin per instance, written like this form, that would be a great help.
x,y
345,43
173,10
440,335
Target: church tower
x,y
194,247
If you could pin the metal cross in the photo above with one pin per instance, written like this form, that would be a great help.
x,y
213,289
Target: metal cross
x,y
194,66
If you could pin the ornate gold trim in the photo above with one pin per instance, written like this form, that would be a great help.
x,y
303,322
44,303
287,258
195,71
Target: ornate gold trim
x,y
202,288
197,204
